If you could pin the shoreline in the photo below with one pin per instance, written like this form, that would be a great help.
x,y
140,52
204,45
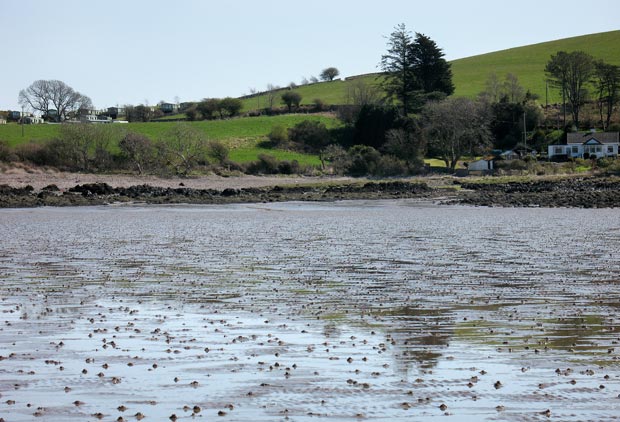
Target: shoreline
x,y
43,187
565,192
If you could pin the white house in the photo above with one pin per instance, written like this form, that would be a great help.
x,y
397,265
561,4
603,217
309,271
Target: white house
x,y
484,166
587,145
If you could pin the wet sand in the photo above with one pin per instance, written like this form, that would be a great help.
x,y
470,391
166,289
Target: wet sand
x,y
379,310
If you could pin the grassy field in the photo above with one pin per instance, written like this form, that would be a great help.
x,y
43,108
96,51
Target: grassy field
x,y
242,135
528,63
334,92
470,74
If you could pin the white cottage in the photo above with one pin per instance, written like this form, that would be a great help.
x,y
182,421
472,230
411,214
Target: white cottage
x,y
587,145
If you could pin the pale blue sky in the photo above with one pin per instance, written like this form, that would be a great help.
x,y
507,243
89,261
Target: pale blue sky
x,y
133,51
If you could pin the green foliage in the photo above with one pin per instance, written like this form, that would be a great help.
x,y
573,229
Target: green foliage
x,y
432,72
231,106
219,151
278,136
363,160
329,74
373,123
309,135
291,99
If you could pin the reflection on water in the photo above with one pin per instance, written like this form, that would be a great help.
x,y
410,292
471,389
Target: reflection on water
x,y
381,310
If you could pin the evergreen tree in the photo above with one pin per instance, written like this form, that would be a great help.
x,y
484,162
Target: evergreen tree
x,y
399,79
432,72
414,71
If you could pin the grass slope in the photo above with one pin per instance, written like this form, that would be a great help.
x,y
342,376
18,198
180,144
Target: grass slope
x,y
528,63
470,74
242,135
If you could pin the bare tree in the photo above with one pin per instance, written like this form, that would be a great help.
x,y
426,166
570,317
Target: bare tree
x,y
271,95
514,90
360,93
44,96
182,148
570,73
456,127
607,84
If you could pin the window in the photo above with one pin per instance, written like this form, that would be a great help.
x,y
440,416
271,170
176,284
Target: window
x,y
557,150
575,150
610,149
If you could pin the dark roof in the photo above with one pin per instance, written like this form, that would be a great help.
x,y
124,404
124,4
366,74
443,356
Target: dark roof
x,y
582,138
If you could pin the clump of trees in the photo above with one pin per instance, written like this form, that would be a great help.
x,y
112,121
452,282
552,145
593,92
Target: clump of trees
x,y
414,70
575,73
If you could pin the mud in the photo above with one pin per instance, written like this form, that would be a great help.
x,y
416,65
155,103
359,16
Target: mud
x,y
354,310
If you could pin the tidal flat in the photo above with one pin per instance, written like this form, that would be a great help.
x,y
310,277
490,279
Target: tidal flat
x,y
350,310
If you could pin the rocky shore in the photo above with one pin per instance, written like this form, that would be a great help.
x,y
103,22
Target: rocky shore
x,y
585,192
102,193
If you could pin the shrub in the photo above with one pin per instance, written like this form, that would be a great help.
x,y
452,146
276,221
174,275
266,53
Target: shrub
x,y
319,104
218,151
266,164
6,154
39,154
278,136
309,135
363,160
291,98
389,165
289,167
138,149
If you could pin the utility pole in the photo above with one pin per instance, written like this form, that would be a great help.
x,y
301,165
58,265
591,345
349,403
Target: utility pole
x,y
22,120
524,133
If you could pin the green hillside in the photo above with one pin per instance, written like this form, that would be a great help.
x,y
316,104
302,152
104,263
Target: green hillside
x,y
243,135
528,63
470,74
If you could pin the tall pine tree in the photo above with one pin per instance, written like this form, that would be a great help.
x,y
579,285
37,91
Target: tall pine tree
x,y
432,72
414,70
399,80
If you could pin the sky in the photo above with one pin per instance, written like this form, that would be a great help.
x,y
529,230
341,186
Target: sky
x,y
146,51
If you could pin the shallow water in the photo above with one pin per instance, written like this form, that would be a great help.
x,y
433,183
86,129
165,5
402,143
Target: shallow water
x,y
386,310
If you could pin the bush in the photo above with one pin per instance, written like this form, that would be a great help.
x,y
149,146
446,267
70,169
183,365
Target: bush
x,y
291,98
6,154
278,136
138,149
363,160
266,164
309,135
319,104
218,151
389,165
289,167
39,154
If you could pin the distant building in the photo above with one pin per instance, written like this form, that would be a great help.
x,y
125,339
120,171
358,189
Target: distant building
x,y
2,121
32,120
90,118
587,145
169,107
114,112
14,115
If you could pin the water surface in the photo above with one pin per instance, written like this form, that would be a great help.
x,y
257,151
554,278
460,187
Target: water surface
x,y
386,310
